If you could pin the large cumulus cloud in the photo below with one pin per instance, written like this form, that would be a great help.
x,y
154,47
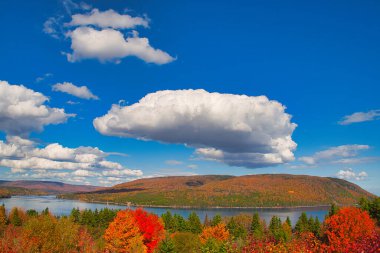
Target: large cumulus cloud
x,y
236,129
23,110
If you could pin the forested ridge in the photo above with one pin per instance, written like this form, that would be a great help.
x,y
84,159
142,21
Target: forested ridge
x,y
7,192
267,190
34,187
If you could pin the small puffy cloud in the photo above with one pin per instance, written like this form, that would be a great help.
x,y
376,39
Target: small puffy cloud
x,y
235,129
192,166
349,174
69,88
107,19
100,35
23,110
338,154
110,45
360,117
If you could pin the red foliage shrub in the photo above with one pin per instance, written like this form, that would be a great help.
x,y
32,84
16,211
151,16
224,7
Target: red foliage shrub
x,y
350,230
151,228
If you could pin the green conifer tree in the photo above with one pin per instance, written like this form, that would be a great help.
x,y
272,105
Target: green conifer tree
x,y
236,230
256,226
15,219
288,221
317,227
75,215
167,246
333,209
31,213
179,223
216,220
275,228
194,223
168,221
302,224
3,218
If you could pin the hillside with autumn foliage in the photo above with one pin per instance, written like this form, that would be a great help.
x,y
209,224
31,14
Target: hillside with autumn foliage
x,y
33,187
267,190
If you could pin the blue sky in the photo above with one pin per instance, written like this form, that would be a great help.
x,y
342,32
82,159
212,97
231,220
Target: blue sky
x,y
319,59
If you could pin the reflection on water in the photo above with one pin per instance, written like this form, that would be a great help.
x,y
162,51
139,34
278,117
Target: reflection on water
x,y
64,207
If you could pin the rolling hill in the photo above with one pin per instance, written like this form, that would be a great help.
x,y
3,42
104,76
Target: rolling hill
x,y
267,190
28,187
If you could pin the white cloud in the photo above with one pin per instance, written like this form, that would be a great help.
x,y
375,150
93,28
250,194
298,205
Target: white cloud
x,y
23,156
84,173
97,35
192,166
70,102
360,117
41,78
349,174
107,19
235,129
69,88
43,174
338,154
53,27
122,173
23,110
173,162
70,5
110,45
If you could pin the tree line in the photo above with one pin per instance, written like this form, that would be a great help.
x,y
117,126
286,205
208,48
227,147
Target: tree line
x,y
344,229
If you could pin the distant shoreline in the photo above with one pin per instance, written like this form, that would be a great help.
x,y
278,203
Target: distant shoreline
x,y
203,207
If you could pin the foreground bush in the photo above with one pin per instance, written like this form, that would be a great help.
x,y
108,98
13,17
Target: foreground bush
x,y
134,231
46,234
348,230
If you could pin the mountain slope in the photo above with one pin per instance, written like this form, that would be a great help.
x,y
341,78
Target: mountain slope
x,y
46,187
268,190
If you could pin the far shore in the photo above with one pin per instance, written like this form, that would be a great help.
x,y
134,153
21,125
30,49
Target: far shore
x,y
325,206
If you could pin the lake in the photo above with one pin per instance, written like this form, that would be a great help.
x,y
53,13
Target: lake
x,y
64,206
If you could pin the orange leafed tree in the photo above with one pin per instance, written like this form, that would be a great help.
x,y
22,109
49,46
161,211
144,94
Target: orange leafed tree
x,y
123,234
348,227
134,231
218,232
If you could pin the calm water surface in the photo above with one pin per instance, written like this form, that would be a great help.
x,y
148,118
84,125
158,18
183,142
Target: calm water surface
x,y
63,207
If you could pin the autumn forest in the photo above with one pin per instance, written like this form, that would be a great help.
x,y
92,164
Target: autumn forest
x,y
345,229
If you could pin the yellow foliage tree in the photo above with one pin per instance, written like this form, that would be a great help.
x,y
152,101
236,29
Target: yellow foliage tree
x,y
218,232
